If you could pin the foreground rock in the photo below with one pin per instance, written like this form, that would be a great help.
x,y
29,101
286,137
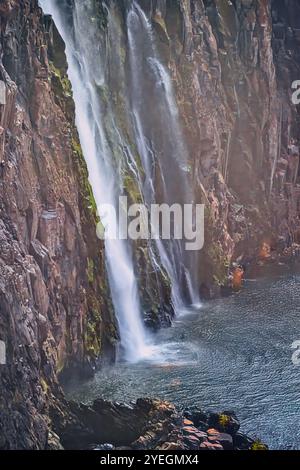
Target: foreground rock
x,y
147,425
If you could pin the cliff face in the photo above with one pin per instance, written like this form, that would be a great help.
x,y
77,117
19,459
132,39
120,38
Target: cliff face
x,y
54,302
233,64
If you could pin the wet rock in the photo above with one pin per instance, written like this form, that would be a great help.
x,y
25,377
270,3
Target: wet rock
x,y
192,442
187,422
105,447
225,440
197,416
146,424
224,422
159,318
202,426
193,431
210,446
53,442
242,442
169,446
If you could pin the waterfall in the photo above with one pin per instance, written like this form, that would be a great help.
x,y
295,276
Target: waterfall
x,y
86,72
128,124
167,149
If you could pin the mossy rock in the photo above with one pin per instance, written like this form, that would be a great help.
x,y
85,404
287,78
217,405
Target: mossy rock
x,y
258,445
90,270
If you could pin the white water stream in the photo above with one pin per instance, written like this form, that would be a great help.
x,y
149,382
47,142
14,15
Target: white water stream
x,y
94,61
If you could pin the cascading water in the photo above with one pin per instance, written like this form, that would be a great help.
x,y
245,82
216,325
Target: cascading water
x,y
128,124
86,72
160,143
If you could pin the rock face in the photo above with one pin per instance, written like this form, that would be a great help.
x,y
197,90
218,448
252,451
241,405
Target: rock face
x,y
233,64
55,309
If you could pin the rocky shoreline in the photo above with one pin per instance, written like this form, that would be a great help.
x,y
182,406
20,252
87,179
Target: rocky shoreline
x,y
147,424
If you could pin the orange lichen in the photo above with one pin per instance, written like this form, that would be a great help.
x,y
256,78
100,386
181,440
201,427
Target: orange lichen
x,y
237,278
265,251
187,422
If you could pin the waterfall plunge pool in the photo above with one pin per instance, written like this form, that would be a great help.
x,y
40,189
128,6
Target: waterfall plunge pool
x,y
232,354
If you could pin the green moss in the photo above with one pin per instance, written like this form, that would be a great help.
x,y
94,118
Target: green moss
x,y
44,385
258,445
224,420
62,81
220,263
87,192
132,189
123,55
90,270
92,330
92,340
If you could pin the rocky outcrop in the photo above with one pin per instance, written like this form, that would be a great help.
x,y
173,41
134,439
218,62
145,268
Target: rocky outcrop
x,y
148,424
55,310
